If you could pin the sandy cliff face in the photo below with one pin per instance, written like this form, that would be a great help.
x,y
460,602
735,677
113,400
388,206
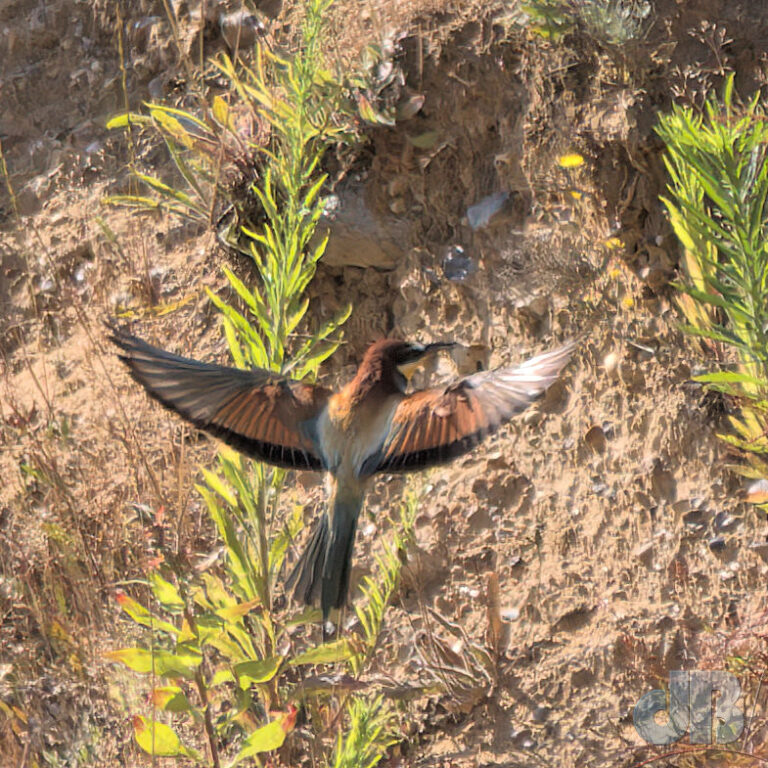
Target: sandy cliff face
x,y
605,515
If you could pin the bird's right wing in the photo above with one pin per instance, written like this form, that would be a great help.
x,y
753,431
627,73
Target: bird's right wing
x,y
260,413
433,426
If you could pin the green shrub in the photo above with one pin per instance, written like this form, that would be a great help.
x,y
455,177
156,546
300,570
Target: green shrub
x,y
717,207
225,662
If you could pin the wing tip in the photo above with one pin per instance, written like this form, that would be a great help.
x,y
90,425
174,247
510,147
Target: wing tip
x,y
554,360
121,337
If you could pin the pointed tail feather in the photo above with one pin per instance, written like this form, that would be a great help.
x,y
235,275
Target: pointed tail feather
x,y
324,567
305,578
338,557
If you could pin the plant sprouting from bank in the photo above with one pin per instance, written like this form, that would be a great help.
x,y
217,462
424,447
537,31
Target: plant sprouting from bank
x,y
225,656
717,162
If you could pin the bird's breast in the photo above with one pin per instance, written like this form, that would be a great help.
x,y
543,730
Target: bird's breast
x,y
348,434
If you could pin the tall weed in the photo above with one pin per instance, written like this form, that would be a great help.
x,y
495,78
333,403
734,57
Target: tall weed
x,y
717,207
226,659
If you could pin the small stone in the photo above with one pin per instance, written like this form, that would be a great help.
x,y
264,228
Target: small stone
x,y
270,8
457,265
757,493
540,714
27,202
695,519
398,206
156,87
716,544
611,365
723,521
760,547
727,575
241,29
644,553
481,213
532,417
409,106
358,237
539,306
595,439
398,186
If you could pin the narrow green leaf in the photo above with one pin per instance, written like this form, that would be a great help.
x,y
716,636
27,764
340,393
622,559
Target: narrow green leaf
x,y
142,616
215,484
126,120
180,664
237,611
136,201
296,316
314,190
238,561
221,676
156,738
308,615
137,659
192,177
264,739
328,653
729,377
233,343
221,112
165,593
252,300
260,671
170,698
181,197
187,118
371,114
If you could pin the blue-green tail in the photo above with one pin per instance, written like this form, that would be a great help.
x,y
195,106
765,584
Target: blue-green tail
x,y
324,567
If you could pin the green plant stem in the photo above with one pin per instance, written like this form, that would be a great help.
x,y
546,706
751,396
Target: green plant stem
x,y
202,692
210,733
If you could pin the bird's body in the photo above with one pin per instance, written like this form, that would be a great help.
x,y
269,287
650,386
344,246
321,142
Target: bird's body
x,y
371,425
357,419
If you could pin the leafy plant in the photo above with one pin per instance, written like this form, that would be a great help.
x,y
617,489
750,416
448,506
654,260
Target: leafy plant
x,y
370,729
207,655
378,590
549,19
608,22
197,149
224,659
217,148
717,207
612,22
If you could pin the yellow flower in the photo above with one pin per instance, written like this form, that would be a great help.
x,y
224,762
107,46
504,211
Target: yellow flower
x,y
571,160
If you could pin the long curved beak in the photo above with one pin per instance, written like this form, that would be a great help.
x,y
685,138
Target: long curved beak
x,y
437,346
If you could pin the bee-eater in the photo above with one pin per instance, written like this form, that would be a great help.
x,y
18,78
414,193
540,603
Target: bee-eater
x,y
372,425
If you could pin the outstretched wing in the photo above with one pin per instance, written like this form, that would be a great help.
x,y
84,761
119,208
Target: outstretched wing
x,y
260,413
433,426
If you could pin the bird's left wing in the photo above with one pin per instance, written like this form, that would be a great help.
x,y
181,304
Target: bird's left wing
x,y
436,425
260,413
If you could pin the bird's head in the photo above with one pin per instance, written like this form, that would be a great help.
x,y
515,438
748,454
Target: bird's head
x,y
408,356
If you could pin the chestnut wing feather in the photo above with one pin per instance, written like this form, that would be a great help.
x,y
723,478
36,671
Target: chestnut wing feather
x,y
260,413
433,426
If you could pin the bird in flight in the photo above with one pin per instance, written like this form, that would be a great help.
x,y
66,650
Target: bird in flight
x,y
372,425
